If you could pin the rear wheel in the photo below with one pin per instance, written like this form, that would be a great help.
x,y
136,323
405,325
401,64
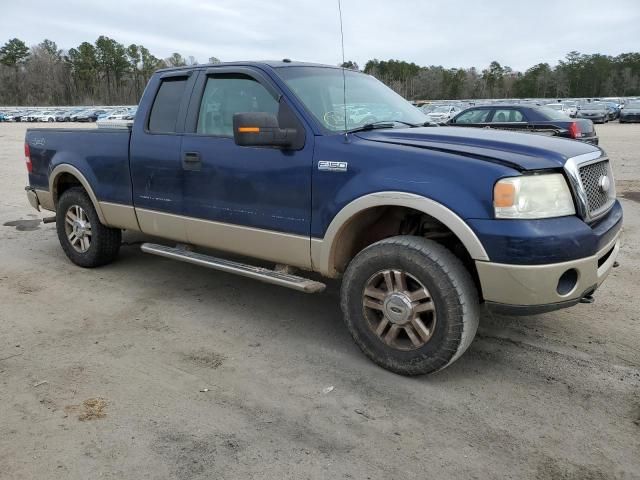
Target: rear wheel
x,y
410,305
86,241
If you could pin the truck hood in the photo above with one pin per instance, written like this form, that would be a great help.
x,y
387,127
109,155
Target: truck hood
x,y
522,151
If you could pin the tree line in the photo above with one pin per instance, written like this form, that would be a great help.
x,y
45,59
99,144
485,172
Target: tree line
x,y
105,72
576,76
108,72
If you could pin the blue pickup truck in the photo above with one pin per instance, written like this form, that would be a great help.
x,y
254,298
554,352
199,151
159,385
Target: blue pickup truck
x,y
276,162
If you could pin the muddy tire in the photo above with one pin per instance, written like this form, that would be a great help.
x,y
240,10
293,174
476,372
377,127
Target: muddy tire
x,y
410,305
86,241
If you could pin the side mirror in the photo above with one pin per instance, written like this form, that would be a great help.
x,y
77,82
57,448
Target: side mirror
x,y
261,129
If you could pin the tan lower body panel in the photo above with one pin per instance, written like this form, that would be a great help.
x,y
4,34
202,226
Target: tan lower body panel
x,y
267,245
162,225
119,216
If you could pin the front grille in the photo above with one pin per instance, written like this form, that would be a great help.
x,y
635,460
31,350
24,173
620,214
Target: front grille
x,y
590,178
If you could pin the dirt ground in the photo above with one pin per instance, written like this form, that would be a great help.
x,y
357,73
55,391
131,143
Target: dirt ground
x,y
150,368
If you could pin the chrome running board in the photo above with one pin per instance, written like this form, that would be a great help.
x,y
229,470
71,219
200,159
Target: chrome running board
x,y
258,273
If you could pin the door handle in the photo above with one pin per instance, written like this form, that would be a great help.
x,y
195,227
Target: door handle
x,y
191,161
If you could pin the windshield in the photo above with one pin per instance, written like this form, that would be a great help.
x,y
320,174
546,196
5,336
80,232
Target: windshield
x,y
321,91
633,105
555,106
442,109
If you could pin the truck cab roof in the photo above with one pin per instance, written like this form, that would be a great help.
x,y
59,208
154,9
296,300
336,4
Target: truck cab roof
x,y
284,63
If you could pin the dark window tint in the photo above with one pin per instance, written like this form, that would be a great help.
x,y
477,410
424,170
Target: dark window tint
x,y
473,116
164,113
228,94
506,115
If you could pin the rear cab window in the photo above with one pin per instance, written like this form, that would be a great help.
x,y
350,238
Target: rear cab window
x,y
164,112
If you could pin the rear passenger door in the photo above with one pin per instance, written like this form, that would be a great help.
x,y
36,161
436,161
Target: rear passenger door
x,y
156,166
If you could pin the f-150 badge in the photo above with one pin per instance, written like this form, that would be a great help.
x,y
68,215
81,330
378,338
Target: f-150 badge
x,y
326,166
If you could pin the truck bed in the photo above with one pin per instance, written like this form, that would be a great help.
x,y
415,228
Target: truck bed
x,y
102,155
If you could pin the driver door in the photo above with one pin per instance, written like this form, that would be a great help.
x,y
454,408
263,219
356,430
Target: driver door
x,y
252,201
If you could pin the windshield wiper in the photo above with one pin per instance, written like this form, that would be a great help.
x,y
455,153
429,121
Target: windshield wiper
x,y
382,124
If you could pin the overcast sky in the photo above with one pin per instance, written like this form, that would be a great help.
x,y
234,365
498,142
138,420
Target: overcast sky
x,y
452,33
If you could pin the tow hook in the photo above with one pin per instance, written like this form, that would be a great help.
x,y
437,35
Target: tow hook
x,y
587,299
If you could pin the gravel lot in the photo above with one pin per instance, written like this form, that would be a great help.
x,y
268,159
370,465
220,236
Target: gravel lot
x,y
102,371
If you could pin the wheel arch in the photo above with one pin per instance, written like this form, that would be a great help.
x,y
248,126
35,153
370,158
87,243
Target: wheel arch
x,y
325,251
65,171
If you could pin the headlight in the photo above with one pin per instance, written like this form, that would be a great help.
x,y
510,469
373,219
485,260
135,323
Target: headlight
x,y
533,196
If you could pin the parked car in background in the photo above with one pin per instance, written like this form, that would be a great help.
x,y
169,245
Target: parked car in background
x,y
28,116
527,118
443,113
597,112
617,101
117,114
427,108
89,115
131,115
77,112
572,108
48,116
630,112
614,110
559,107
63,116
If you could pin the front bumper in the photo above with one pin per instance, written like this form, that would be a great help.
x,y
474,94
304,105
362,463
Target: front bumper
x,y
530,289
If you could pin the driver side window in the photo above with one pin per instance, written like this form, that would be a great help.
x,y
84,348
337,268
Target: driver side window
x,y
228,94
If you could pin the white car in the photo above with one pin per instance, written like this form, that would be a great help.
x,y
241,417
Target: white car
x,y
45,117
560,107
443,113
119,114
572,108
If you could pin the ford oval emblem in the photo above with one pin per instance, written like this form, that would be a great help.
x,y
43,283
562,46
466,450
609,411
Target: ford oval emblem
x,y
604,183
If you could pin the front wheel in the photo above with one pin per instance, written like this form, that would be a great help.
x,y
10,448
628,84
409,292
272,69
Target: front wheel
x,y
86,241
410,305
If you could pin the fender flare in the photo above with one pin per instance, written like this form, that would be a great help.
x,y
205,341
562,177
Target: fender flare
x,y
323,250
70,169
